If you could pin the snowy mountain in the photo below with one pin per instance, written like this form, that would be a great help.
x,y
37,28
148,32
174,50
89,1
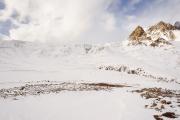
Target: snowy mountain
x,y
82,79
159,34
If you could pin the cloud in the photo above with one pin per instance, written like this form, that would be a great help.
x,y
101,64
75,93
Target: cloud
x,y
83,20
59,20
148,12
2,5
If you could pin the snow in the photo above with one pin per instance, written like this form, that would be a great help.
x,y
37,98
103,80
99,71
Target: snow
x,y
177,34
75,105
23,62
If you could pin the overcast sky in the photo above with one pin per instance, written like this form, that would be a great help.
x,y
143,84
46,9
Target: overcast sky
x,y
77,20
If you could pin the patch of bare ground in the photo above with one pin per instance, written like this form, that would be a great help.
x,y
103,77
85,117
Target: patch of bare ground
x,y
37,89
136,71
161,99
158,92
170,115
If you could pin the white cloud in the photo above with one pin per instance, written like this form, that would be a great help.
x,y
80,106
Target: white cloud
x,y
153,12
58,19
84,20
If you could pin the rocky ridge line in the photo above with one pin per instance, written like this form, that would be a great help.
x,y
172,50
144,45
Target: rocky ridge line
x,y
158,35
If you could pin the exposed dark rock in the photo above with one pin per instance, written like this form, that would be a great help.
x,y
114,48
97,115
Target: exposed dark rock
x,y
154,104
165,102
22,88
137,71
157,117
154,44
177,25
159,41
169,115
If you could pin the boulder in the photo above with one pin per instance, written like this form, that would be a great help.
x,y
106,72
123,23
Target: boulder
x,y
177,25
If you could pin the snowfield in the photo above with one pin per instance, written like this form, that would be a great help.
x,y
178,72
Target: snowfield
x,y
76,105
29,63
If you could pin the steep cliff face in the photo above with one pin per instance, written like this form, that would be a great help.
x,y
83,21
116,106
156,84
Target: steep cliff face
x,y
159,34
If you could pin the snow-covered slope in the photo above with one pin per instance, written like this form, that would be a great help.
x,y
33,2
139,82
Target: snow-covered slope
x,y
33,63
26,56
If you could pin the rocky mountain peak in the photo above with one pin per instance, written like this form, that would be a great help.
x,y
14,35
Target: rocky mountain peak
x,y
162,26
157,35
138,34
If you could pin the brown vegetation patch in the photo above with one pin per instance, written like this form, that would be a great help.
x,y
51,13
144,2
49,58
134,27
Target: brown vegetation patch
x,y
159,103
158,92
37,89
108,85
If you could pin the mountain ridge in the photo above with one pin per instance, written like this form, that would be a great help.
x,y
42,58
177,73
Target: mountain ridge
x,y
157,35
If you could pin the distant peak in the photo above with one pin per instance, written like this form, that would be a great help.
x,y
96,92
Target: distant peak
x,y
139,28
137,34
161,23
162,26
157,35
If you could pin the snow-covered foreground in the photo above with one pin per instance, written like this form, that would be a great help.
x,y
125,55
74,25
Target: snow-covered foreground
x,y
114,105
31,63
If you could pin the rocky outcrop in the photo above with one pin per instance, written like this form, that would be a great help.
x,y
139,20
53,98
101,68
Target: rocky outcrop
x,y
160,42
159,34
161,30
162,26
138,34
177,25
